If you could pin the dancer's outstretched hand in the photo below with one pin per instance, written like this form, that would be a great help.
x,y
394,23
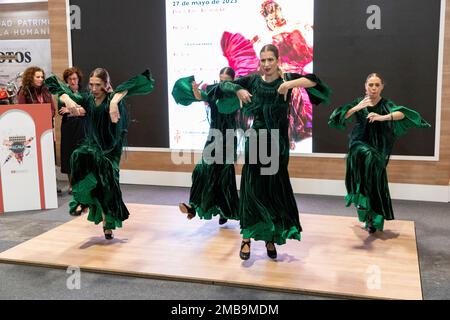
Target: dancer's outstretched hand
x,y
196,90
375,117
366,102
244,97
82,112
71,106
63,111
284,89
114,112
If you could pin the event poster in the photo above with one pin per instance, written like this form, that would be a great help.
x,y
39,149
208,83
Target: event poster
x,y
205,36
27,163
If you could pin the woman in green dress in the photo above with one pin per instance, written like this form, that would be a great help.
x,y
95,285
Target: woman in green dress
x,y
95,164
213,191
379,122
267,207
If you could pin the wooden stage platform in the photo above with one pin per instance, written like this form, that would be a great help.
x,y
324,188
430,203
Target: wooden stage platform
x,y
336,256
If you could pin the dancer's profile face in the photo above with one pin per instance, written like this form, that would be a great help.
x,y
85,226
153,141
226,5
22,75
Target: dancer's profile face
x,y
225,77
269,63
38,79
97,86
374,87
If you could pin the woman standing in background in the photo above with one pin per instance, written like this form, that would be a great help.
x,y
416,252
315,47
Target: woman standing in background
x,y
73,126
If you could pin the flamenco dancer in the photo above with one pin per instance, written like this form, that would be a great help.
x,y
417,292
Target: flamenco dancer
x,y
379,122
267,207
95,164
213,191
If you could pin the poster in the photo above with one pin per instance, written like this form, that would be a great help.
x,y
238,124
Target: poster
x,y
205,36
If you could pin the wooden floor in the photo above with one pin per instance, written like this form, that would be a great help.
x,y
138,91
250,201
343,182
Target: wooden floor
x,y
336,256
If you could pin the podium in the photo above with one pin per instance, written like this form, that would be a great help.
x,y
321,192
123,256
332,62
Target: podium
x,y
27,159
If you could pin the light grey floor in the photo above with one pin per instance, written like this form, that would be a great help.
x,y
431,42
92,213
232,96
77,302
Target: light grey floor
x,y
25,282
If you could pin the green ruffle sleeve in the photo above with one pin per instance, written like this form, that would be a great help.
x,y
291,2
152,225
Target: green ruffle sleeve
x,y
227,103
231,87
318,94
57,87
228,90
337,119
140,85
412,119
183,94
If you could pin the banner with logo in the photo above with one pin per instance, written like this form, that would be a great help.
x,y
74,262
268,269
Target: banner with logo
x,y
27,164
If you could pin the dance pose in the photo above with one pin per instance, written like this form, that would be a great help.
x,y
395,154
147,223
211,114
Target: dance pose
x,y
73,126
379,122
267,207
213,190
95,164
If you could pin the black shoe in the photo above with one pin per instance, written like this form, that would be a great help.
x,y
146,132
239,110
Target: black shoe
x,y
77,211
244,255
108,236
58,191
223,220
370,228
272,254
184,208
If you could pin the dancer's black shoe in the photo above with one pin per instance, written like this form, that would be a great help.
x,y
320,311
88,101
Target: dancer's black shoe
x,y
186,209
271,253
77,211
245,255
108,234
370,228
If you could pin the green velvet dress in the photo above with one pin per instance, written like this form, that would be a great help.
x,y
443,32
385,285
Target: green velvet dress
x,y
267,207
369,151
95,164
213,191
